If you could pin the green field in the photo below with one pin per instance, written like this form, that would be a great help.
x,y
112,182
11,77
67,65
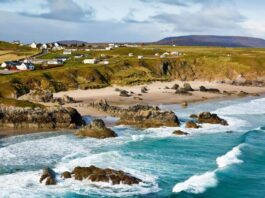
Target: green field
x,y
196,63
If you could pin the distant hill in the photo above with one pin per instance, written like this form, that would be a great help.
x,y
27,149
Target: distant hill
x,y
208,40
71,42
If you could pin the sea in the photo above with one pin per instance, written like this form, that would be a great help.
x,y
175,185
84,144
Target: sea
x,y
211,162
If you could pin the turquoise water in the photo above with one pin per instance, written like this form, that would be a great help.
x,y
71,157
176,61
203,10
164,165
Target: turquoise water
x,y
208,163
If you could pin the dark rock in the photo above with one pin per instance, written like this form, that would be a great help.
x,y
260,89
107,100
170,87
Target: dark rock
x,y
66,175
144,90
182,91
166,87
203,89
124,93
191,124
242,94
211,90
193,116
207,117
175,86
49,175
179,132
97,129
184,104
39,118
139,115
187,87
96,174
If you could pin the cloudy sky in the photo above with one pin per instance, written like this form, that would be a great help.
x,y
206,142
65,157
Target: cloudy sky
x,y
128,20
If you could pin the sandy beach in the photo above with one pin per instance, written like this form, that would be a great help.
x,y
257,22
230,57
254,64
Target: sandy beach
x,y
157,94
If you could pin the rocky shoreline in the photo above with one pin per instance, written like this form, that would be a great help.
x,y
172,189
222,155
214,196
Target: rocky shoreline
x,y
39,118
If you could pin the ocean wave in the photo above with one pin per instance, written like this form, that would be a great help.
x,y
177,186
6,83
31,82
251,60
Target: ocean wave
x,y
253,107
197,184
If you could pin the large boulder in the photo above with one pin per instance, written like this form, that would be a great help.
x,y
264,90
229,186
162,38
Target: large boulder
x,y
187,87
175,86
97,129
49,176
192,125
96,174
207,117
39,118
124,93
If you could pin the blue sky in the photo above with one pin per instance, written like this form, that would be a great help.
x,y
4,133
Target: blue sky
x,y
128,20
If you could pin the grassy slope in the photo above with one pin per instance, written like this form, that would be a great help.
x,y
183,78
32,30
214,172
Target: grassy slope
x,y
204,63
10,51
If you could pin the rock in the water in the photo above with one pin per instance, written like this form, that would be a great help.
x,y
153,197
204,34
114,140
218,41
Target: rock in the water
x,y
191,124
179,132
193,116
39,118
207,117
139,115
66,175
48,175
104,175
97,129
184,104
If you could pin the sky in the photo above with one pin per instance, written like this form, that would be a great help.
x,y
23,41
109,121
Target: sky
x,y
128,20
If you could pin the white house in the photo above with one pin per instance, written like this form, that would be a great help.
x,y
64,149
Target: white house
x,y
174,53
105,62
90,61
78,56
44,46
33,45
55,62
67,52
108,48
25,66
56,45
130,54
111,45
3,65
140,57
87,50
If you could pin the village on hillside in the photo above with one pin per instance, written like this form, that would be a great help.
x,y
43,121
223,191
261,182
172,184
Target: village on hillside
x,y
52,55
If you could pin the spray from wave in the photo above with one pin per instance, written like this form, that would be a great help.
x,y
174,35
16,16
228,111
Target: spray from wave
x,y
200,183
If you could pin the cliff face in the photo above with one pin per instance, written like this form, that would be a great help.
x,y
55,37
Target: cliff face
x,y
39,118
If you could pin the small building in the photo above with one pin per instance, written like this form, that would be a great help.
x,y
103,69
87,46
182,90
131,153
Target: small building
x,y
33,45
62,59
140,57
105,62
44,46
67,52
130,54
90,61
174,53
77,56
10,64
25,66
3,65
55,62
87,50
108,48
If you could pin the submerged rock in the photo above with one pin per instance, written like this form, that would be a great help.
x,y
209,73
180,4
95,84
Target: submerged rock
x,y
48,175
66,175
179,132
191,124
97,129
207,117
96,174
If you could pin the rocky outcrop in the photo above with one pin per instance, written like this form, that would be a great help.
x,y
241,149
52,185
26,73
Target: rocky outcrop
x,y
207,117
124,93
175,86
96,174
139,115
210,90
49,176
192,125
179,132
39,118
97,129
93,174
187,87
45,97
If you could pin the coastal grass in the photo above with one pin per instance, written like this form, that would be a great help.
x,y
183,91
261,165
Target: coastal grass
x,y
19,103
195,63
